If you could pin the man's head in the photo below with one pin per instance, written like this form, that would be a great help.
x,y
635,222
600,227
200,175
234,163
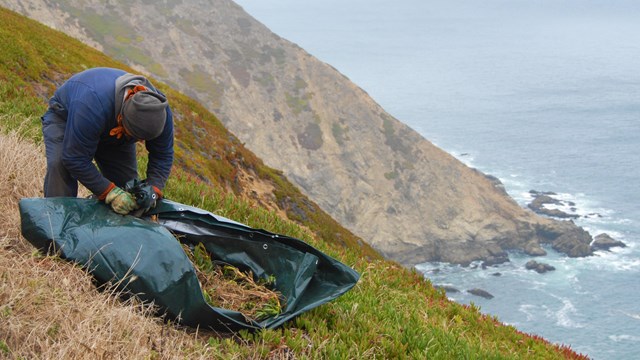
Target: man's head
x,y
144,115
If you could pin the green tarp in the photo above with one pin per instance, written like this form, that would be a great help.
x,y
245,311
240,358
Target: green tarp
x,y
144,258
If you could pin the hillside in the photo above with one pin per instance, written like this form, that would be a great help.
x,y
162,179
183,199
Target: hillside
x,y
205,150
377,177
50,309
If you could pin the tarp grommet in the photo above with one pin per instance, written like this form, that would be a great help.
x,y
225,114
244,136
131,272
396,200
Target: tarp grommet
x,y
265,246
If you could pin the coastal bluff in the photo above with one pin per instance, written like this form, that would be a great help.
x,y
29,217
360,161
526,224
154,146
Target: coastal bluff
x,y
379,178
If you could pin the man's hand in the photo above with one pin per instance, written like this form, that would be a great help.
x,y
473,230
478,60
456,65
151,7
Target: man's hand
x,y
145,195
121,201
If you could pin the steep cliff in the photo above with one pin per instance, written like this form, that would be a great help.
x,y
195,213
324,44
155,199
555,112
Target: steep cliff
x,y
379,178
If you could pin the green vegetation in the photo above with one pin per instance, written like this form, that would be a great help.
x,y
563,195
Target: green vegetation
x,y
157,68
298,104
299,84
272,54
393,140
392,313
200,81
103,27
185,25
339,133
4,349
265,80
391,175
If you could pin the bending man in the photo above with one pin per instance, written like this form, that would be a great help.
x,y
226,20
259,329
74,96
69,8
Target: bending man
x,y
99,114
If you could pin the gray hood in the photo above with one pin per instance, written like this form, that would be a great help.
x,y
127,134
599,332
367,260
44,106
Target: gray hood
x,y
127,81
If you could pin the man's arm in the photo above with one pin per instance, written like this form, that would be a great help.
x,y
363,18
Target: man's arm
x,y
161,155
85,124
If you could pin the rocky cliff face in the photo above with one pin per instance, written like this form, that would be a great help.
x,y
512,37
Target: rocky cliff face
x,y
379,178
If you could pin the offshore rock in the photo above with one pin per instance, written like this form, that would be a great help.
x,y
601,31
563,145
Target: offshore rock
x,y
542,199
482,293
568,238
540,268
605,242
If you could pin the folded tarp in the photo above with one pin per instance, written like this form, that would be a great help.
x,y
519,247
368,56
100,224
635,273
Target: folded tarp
x,y
145,258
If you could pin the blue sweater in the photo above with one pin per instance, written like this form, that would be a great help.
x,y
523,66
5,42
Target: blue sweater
x,y
88,101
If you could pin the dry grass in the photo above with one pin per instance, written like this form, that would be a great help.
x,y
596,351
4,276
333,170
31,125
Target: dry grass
x,y
50,309
23,167
225,286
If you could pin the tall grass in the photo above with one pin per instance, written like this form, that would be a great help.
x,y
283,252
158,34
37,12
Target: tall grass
x,y
50,309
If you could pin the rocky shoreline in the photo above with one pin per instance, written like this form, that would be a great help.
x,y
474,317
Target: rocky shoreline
x,y
562,233
539,204
541,199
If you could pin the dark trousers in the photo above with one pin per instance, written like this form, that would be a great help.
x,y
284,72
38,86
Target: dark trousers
x,y
116,162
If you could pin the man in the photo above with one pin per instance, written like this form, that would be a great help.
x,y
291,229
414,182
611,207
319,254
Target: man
x,y
99,114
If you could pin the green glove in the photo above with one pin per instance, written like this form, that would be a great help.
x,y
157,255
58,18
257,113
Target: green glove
x,y
121,201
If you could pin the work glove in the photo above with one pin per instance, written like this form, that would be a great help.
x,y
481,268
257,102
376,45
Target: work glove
x,y
121,201
145,195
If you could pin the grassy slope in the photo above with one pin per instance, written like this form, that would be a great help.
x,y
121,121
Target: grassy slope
x,y
49,309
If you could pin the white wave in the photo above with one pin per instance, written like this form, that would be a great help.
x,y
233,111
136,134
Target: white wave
x,y
563,316
622,221
593,228
463,156
624,337
616,260
528,310
633,316
523,198
564,320
514,181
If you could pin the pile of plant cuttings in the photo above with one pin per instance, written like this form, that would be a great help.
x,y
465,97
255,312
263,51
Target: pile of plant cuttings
x,y
225,286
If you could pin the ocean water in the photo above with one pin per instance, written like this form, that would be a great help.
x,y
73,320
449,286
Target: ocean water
x,y
543,94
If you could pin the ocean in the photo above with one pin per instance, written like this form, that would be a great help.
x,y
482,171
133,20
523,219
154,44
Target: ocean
x,y
544,95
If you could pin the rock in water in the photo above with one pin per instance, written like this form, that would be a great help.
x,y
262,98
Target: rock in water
x,y
482,293
605,242
540,268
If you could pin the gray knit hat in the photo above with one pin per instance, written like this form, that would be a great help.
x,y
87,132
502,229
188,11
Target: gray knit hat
x,y
144,114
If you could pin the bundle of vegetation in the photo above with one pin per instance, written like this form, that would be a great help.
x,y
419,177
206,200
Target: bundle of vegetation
x,y
225,286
